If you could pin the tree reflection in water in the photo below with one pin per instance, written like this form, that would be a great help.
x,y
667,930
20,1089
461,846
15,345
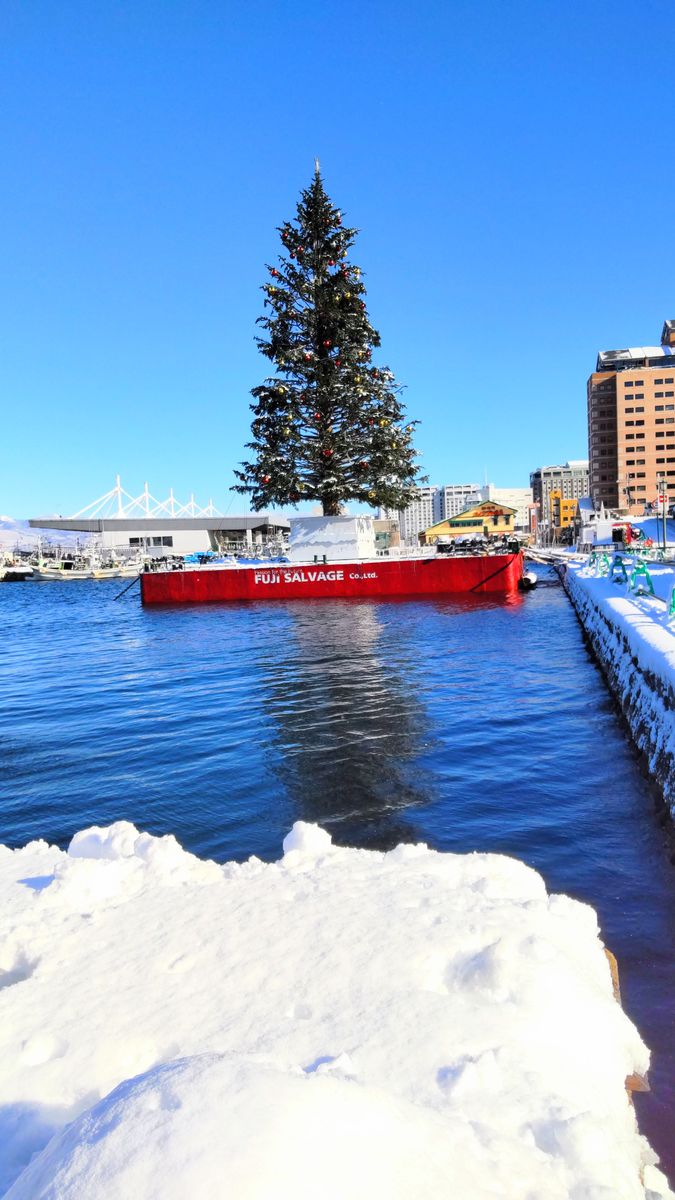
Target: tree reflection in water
x,y
346,726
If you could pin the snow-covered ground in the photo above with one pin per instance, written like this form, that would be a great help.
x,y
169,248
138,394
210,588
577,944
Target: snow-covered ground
x,y
634,638
338,1024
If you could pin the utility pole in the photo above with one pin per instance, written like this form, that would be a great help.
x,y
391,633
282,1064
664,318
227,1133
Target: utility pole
x,y
662,499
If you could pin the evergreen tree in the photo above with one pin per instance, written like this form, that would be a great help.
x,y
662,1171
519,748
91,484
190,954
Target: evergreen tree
x,y
328,425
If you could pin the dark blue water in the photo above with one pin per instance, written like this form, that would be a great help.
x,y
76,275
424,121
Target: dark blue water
x,y
470,724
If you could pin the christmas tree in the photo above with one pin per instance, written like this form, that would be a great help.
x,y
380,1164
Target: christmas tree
x,y
328,425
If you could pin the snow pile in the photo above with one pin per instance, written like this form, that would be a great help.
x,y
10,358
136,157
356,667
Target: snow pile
x,y
634,639
341,1023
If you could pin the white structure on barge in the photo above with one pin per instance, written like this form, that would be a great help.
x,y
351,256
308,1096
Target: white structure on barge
x,y
132,524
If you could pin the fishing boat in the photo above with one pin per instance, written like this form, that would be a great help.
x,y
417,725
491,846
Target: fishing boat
x,y
84,567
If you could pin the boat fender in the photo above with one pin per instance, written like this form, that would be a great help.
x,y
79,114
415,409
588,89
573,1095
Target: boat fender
x,y
527,581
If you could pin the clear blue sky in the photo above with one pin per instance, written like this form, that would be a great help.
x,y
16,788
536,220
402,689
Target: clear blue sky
x,y
509,165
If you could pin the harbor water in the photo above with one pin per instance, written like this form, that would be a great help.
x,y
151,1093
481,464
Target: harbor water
x,y
467,723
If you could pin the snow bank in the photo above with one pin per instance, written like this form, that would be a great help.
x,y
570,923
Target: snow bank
x,y
634,641
341,1023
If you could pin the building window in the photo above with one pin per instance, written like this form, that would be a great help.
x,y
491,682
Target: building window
x,y
135,541
630,410
628,383
639,396
658,408
657,381
629,436
659,461
627,423
640,408
659,420
658,395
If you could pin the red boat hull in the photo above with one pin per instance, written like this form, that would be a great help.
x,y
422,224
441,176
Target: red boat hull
x,y
301,581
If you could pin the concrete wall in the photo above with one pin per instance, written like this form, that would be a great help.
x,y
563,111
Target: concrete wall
x,y
629,649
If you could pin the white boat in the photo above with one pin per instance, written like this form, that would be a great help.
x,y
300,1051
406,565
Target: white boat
x,y
14,570
62,569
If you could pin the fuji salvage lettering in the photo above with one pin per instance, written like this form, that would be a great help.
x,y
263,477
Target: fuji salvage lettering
x,y
304,576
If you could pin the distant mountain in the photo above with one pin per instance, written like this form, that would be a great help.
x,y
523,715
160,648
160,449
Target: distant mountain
x,y
16,534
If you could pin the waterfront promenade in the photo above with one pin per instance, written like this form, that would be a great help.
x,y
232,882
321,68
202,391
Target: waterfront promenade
x,y
627,609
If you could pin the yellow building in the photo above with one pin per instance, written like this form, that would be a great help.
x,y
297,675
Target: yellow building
x,y
486,519
562,511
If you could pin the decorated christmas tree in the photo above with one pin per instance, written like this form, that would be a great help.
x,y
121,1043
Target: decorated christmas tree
x,y
328,425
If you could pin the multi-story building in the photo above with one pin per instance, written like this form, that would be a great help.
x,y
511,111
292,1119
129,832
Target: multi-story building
x,y
434,504
518,498
568,481
418,516
631,424
453,498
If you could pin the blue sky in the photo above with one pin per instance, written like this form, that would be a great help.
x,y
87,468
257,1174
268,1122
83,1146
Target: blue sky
x,y
509,166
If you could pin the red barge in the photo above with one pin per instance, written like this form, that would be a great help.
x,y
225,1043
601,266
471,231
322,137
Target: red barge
x,y
429,575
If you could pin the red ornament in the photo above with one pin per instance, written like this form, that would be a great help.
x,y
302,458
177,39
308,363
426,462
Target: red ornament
x,y
338,362
327,343
317,416
307,357
274,272
266,478
301,250
327,453
331,262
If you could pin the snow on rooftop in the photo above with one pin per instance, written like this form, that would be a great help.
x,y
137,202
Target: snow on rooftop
x,y
341,1023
